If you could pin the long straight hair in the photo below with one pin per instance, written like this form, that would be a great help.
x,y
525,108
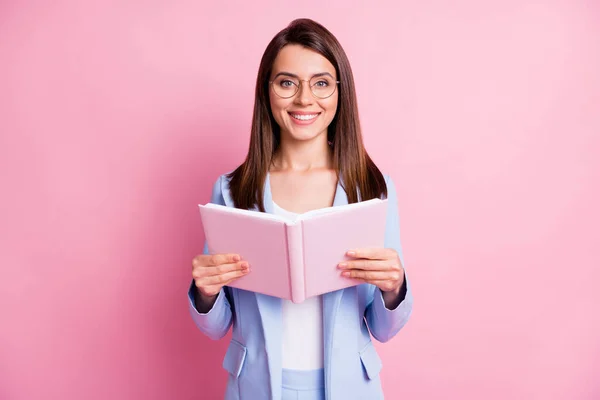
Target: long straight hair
x,y
359,175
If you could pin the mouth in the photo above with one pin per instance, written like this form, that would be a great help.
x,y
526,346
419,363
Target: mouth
x,y
304,117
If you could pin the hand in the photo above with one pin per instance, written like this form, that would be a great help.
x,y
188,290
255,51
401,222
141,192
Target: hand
x,y
378,266
212,272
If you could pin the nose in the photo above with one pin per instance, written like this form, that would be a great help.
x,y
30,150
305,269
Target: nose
x,y
304,95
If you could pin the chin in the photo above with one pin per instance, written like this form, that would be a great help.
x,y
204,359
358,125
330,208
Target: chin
x,y
304,135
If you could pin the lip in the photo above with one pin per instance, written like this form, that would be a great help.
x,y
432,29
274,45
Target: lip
x,y
299,122
304,112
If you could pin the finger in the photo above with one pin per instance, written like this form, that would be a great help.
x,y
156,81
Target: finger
x,y
209,290
204,260
201,272
385,285
372,275
233,279
373,253
224,278
218,259
225,268
368,265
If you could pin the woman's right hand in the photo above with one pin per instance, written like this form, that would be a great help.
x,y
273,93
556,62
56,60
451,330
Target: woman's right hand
x,y
212,272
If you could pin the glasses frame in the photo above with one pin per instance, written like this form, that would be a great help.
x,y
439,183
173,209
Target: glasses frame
x,y
298,89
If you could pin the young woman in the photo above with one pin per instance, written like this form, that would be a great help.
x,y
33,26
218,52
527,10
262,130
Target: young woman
x,y
306,152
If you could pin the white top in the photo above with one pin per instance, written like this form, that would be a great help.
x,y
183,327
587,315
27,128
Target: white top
x,y
302,326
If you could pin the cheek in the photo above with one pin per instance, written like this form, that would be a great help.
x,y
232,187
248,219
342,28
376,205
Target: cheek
x,y
331,108
276,108
278,105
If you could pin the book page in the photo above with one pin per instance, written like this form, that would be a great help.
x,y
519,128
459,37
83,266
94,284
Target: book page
x,y
327,238
260,241
343,208
248,213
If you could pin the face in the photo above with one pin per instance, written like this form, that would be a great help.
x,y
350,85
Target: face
x,y
303,116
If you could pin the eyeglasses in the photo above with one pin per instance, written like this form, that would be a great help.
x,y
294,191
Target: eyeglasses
x,y
321,87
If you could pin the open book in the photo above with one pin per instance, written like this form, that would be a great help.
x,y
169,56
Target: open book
x,y
297,259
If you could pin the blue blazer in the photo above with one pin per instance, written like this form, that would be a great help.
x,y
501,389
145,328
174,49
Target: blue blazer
x,y
351,363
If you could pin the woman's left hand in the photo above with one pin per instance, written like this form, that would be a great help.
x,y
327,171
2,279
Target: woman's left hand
x,y
378,266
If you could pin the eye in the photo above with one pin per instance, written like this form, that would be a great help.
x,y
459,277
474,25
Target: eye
x,y
322,83
286,83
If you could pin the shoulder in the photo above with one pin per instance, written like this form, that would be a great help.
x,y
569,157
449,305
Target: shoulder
x,y
390,186
222,181
220,189
386,177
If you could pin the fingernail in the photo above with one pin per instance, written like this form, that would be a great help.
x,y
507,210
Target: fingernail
x,y
346,273
351,253
342,265
236,258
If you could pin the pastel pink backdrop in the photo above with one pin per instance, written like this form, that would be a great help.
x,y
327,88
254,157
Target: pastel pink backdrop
x,y
116,119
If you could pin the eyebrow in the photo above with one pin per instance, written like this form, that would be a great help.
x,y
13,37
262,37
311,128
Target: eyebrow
x,y
296,76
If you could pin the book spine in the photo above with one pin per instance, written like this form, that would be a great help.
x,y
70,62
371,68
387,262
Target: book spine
x,y
296,261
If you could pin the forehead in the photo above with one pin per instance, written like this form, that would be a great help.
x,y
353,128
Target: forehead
x,y
301,61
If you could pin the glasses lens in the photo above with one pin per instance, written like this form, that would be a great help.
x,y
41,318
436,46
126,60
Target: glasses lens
x,y
285,86
322,86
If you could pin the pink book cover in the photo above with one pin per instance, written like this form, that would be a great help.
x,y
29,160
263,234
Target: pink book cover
x,y
297,259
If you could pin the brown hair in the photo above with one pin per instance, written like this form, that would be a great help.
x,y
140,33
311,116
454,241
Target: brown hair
x,y
359,174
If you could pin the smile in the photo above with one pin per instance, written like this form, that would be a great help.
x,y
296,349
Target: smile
x,y
304,117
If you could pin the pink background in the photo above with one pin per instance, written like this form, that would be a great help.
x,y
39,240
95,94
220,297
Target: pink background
x,y
116,119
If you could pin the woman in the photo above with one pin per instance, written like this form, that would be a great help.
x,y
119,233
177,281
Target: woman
x,y
306,152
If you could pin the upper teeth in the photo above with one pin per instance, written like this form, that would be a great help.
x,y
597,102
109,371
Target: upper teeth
x,y
304,117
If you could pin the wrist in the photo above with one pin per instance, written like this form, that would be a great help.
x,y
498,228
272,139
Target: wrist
x,y
204,303
393,298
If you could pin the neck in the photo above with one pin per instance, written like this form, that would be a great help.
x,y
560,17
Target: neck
x,y
303,155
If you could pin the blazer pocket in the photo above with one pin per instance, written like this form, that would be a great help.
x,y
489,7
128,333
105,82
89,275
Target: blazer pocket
x,y
234,358
370,360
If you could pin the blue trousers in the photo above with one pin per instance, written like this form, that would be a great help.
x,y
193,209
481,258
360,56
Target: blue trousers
x,y
303,385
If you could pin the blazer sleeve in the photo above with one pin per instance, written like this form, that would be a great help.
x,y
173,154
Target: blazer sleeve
x,y
216,322
384,323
